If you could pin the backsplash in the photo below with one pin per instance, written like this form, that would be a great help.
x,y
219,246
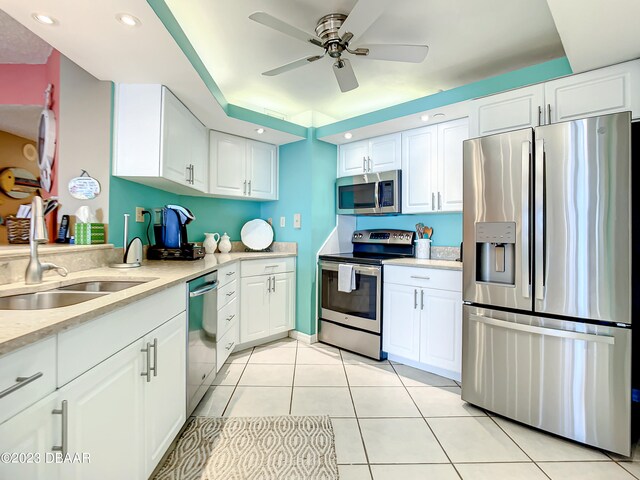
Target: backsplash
x,y
447,227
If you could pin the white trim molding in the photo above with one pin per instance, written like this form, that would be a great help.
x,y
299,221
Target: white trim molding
x,y
303,337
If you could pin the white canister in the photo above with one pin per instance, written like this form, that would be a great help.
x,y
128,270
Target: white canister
x,y
225,243
210,242
423,248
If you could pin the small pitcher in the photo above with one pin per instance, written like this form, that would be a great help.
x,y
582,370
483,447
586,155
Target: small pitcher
x,y
210,242
225,243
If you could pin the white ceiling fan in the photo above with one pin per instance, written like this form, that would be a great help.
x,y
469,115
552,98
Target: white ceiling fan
x,y
335,32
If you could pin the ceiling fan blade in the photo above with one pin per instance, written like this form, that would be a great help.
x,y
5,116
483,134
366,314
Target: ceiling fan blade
x,y
283,27
364,13
396,53
292,65
344,75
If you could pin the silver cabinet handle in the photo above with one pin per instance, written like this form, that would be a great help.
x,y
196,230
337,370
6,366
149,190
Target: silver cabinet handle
x,y
433,200
20,382
364,164
155,357
271,266
64,414
188,179
209,286
274,285
230,317
415,298
539,219
249,188
269,286
147,374
244,190
369,164
420,278
439,201
548,114
230,346
193,174
421,299
230,273
526,254
231,293
539,115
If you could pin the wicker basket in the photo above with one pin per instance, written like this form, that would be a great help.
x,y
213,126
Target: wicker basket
x,y
18,229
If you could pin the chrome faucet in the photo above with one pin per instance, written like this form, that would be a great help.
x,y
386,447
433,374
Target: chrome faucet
x,y
37,235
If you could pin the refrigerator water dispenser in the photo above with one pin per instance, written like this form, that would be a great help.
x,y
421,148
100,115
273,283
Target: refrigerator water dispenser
x,y
496,252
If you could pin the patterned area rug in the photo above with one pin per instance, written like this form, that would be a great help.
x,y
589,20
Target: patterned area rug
x,y
264,448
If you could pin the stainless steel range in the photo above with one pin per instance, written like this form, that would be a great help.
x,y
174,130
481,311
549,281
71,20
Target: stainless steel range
x,y
353,320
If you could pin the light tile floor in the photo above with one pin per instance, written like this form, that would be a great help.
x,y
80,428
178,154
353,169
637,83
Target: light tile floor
x,y
392,421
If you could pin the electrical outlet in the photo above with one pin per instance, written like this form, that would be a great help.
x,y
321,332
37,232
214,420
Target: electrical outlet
x,y
297,220
139,215
283,221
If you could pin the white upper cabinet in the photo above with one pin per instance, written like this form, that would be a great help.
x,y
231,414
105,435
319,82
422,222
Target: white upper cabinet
x,y
242,168
598,92
432,167
158,141
377,154
507,111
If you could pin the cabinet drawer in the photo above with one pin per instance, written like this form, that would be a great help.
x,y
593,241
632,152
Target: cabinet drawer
x,y
424,277
267,266
227,293
227,316
226,344
36,361
228,274
83,347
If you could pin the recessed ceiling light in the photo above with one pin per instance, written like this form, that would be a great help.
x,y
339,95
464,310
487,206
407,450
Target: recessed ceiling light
x,y
348,135
424,117
44,19
128,19
260,131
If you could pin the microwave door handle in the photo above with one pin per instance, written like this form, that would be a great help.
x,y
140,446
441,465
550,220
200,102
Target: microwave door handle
x,y
377,194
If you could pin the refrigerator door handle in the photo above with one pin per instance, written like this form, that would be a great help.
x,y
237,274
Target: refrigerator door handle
x,y
525,251
539,219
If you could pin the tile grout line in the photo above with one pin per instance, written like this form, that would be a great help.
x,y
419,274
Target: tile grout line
x,y
426,423
355,413
235,387
293,379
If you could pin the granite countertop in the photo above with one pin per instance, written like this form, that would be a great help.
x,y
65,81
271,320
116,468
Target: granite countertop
x,y
22,327
431,263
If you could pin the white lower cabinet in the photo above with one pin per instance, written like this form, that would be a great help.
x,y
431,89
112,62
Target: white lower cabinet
x,y
422,319
267,300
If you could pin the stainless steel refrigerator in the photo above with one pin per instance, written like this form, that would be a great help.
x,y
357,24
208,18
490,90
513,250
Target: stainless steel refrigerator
x,y
547,278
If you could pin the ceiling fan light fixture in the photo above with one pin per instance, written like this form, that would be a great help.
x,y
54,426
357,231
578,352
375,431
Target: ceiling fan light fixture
x,y
128,20
424,117
260,131
44,19
348,135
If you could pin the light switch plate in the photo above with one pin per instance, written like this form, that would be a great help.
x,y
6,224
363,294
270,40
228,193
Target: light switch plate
x,y
283,221
297,220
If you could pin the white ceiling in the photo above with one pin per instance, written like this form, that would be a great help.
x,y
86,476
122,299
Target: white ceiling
x,y
597,33
468,41
20,120
19,45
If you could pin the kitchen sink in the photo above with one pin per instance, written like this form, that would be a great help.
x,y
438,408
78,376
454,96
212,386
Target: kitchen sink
x,y
105,286
48,299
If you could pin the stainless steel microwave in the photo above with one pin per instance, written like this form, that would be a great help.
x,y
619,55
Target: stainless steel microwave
x,y
370,194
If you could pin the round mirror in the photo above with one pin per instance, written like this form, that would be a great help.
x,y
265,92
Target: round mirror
x,y
84,188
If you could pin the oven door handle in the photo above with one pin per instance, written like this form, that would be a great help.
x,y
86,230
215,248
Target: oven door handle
x,y
374,271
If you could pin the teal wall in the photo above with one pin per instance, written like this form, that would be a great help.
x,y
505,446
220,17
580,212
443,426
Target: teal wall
x,y
307,178
447,227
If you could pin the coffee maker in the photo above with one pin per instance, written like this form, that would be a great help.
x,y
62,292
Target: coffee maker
x,y
170,232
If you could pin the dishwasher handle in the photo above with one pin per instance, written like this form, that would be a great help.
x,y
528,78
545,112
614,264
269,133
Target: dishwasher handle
x,y
207,287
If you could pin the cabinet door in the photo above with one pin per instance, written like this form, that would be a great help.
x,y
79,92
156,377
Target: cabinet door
x,y
419,159
199,155
353,158
282,303
401,321
607,90
34,430
385,153
450,138
165,396
106,418
521,108
176,136
227,166
262,166
441,329
254,308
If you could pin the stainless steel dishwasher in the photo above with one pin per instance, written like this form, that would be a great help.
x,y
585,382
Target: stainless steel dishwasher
x,y
202,311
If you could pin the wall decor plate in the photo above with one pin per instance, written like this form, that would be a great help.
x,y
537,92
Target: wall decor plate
x,y
84,188
46,146
257,234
